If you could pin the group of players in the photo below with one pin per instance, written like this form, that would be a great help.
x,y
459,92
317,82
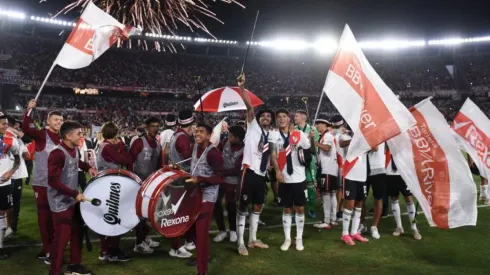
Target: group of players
x,y
300,161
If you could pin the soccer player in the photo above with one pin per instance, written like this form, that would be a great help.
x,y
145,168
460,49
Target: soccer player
x,y
63,196
259,151
232,162
397,185
146,153
300,119
46,141
354,188
9,148
208,172
377,180
17,177
329,172
291,190
112,154
166,136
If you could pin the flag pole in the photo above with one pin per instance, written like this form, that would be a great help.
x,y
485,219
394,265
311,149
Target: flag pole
x,y
200,97
42,85
318,107
250,43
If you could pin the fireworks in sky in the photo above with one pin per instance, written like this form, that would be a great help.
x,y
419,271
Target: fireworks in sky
x,y
156,16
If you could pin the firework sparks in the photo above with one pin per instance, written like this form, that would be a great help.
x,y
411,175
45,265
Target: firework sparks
x,y
156,16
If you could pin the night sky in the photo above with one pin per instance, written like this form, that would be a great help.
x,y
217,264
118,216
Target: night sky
x,y
308,19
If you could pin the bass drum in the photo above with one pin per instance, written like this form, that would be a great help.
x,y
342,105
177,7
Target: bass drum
x,y
117,190
168,202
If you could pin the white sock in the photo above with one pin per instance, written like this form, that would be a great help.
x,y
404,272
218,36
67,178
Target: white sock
x,y
287,219
326,208
3,226
300,225
484,190
253,224
411,214
346,221
356,221
395,208
333,199
240,226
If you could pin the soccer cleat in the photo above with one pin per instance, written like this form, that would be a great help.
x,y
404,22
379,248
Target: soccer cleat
x,y
299,244
362,229
3,254
416,235
334,224
233,237
312,214
375,233
242,250
47,261
322,225
151,243
487,202
358,237
220,237
118,256
348,240
262,224
483,197
77,269
398,231
42,255
103,256
190,246
180,253
8,232
258,244
285,246
143,248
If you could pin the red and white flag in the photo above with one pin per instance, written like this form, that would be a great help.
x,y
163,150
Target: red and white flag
x,y
472,128
94,33
434,169
368,105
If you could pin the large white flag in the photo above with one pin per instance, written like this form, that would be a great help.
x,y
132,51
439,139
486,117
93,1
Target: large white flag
x,y
472,127
368,105
94,33
434,169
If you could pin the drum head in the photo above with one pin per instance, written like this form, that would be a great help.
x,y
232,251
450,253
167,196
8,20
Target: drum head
x,y
117,213
175,206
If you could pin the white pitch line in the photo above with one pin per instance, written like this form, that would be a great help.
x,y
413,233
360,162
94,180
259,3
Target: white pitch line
x,y
211,231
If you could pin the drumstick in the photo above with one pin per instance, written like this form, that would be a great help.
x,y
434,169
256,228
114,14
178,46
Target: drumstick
x,y
94,201
182,161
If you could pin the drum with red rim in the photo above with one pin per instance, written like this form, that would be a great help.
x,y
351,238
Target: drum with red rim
x,y
117,191
168,203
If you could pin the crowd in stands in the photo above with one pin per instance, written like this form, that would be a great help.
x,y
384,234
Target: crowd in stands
x,y
278,81
303,75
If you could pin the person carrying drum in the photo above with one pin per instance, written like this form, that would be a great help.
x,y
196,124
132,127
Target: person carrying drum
x,y
63,196
207,171
145,152
46,140
181,152
112,154
232,162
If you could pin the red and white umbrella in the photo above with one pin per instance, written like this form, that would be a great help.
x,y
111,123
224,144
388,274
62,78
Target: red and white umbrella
x,y
225,99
